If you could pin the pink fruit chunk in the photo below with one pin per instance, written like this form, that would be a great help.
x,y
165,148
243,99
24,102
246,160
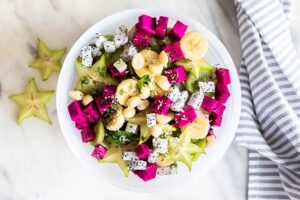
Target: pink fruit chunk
x,y
81,124
161,105
222,93
99,152
143,151
76,112
185,117
176,75
210,132
114,72
174,51
91,113
161,28
216,120
178,30
140,38
147,23
213,106
223,76
148,174
103,104
109,91
88,134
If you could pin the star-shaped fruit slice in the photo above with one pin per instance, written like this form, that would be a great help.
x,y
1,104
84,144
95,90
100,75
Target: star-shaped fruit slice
x,y
184,150
33,103
92,77
114,155
47,60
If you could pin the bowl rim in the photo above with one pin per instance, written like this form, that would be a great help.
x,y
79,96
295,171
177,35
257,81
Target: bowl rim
x,y
236,101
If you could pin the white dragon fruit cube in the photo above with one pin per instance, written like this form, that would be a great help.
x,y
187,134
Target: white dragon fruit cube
x,y
86,56
132,128
122,30
109,46
120,40
99,40
129,156
196,100
174,93
153,157
120,65
180,102
169,170
96,51
128,52
160,145
137,165
208,86
151,119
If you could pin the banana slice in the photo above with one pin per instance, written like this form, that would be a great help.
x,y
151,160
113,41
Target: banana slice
x,y
150,57
199,128
138,61
126,89
156,68
142,72
194,45
163,58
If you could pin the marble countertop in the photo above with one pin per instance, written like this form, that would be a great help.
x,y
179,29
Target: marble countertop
x,y
35,161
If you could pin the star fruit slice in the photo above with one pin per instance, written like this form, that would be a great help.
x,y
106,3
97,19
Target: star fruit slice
x,y
33,103
47,60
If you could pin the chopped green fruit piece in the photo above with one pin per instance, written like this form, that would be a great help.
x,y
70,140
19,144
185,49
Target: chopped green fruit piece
x,y
32,103
120,138
137,119
47,60
100,133
114,155
202,144
191,83
199,68
90,78
145,133
184,151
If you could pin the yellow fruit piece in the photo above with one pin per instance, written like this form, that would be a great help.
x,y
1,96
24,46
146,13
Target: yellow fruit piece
x,y
194,45
199,128
163,58
126,89
150,57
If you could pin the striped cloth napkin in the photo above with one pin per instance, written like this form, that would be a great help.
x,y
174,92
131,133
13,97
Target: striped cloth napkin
x,y
270,81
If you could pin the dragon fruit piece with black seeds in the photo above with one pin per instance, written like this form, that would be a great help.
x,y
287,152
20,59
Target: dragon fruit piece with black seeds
x,y
80,125
174,51
91,113
88,134
215,120
140,38
161,28
103,103
143,151
185,117
114,72
99,152
147,23
222,93
213,106
161,105
76,112
178,30
148,174
223,76
176,75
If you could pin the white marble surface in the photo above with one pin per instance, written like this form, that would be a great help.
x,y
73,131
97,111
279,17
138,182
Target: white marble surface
x,y
35,161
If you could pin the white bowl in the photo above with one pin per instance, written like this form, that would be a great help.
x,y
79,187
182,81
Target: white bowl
x,y
217,54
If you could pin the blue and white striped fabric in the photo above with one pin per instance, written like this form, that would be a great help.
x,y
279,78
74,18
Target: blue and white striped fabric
x,y
270,81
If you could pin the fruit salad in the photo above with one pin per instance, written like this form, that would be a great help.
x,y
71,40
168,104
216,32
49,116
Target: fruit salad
x,y
146,98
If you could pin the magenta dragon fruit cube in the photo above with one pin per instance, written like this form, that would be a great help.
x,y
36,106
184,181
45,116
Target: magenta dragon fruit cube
x,y
161,28
215,120
223,76
143,151
81,124
103,103
148,174
109,91
91,113
178,30
174,51
222,93
213,106
176,75
185,117
99,152
140,38
114,72
147,23
161,105
88,134
76,112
